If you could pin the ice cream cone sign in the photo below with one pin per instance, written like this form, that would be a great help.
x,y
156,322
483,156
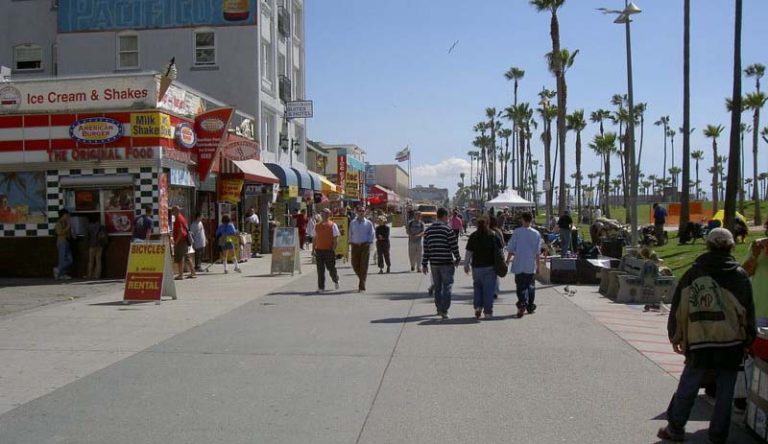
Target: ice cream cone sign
x,y
168,76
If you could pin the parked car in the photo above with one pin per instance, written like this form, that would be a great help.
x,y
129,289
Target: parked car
x,y
428,213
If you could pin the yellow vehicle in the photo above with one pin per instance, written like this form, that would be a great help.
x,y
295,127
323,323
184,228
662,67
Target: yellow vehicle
x,y
428,213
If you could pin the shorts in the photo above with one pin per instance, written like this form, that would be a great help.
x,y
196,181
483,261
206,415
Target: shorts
x,y
180,250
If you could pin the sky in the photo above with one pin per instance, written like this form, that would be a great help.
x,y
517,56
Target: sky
x,y
381,75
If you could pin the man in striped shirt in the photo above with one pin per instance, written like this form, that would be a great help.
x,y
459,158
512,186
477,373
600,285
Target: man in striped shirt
x,y
441,250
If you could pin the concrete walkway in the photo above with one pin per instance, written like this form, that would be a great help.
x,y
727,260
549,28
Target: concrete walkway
x,y
251,359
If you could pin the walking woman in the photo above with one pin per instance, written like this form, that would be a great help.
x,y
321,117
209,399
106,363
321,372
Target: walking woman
x,y
482,247
226,237
382,243
198,240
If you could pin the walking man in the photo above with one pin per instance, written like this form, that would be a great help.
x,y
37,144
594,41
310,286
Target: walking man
x,y
361,236
324,248
415,231
441,250
565,224
142,226
711,322
181,244
524,248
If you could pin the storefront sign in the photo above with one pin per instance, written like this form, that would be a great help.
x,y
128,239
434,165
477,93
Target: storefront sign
x,y
210,127
119,222
151,125
182,178
149,275
341,168
79,94
96,130
185,135
180,101
100,154
241,150
252,190
230,190
352,188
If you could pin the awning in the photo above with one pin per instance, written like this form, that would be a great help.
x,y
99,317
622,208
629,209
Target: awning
x,y
316,182
286,175
379,195
305,182
256,171
327,186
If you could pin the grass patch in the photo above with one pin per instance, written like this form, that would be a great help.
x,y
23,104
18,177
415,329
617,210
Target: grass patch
x,y
680,257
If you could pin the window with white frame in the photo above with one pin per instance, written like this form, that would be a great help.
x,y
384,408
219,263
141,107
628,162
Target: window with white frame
x,y
205,47
127,50
298,21
267,120
267,65
297,83
28,57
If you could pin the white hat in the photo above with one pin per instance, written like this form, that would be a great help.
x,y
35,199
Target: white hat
x,y
720,238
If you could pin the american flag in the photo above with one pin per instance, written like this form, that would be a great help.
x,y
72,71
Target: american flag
x,y
403,155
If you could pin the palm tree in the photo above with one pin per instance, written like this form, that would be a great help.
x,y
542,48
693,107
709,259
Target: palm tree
x,y
697,156
562,60
743,130
686,129
577,123
733,180
664,123
674,172
514,74
757,71
714,132
547,112
557,68
671,134
755,101
640,109
604,145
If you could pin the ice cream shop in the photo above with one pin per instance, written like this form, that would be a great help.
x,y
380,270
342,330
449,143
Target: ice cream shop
x,y
103,148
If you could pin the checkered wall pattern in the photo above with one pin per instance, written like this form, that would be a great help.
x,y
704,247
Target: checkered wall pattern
x,y
146,193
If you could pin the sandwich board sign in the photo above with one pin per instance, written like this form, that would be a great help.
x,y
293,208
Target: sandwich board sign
x,y
150,272
285,251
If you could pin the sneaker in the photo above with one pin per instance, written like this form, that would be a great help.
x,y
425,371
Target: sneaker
x,y
336,284
520,312
444,315
55,272
664,433
381,271
488,315
531,308
387,268
65,277
413,269
238,270
478,312
226,271
320,290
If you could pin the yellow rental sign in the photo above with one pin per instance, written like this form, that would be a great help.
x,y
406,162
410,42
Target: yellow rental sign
x,y
152,124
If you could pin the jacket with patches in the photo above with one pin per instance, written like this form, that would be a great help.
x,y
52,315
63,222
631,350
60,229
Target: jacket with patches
x,y
713,314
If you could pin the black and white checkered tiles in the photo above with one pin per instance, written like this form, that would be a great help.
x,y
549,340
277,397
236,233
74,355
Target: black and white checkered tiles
x,y
146,193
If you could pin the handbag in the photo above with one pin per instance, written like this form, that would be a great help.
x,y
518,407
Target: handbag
x,y
499,262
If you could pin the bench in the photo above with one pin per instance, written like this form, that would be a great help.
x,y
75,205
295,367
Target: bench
x,y
637,281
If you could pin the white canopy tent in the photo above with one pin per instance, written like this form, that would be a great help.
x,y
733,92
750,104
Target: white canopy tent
x,y
509,198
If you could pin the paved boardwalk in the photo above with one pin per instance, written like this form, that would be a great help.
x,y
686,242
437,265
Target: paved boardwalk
x,y
255,359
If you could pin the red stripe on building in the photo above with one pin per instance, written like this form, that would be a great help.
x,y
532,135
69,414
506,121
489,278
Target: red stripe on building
x,y
36,120
63,144
62,119
10,145
10,121
37,145
120,117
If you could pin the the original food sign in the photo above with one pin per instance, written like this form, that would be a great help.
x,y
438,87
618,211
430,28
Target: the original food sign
x,y
96,130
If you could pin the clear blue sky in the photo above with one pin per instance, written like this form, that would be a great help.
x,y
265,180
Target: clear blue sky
x,y
380,74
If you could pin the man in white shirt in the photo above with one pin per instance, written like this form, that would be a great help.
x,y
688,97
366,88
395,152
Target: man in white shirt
x,y
361,236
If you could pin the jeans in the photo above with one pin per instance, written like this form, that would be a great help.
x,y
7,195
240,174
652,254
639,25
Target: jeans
x,y
484,285
682,402
565,241
325,259
65,256
199,257
94,262
526,290
442,281
382,253
361,253
415,251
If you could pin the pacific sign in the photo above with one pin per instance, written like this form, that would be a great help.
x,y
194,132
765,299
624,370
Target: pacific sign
x,y
96,130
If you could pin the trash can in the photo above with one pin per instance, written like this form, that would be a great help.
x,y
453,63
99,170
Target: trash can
x,y
612,247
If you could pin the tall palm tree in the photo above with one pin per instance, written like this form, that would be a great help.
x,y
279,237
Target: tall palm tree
x,y
671,134
664,123
505,133
713,132
514,74
697,155
557,68
577,123
640,109
756,70
604,145
755,101
686,130
547,112
733,182
742,131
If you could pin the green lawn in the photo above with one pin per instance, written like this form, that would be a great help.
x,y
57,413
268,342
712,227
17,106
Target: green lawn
x,y
680,257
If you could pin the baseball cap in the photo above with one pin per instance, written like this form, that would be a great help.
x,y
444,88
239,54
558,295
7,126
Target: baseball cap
x,y
720,237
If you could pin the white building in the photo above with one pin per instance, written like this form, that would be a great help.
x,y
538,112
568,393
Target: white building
x,y
247,53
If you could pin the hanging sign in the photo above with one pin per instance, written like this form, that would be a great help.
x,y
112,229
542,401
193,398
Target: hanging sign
x,y
149,275
211,127
230,190
96,130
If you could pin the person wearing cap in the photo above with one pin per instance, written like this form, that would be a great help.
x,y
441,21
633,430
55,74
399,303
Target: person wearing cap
x,y
565,224
324,248
711,322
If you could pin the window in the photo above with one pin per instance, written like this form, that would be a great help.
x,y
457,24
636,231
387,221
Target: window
x,y
113,207
281,64
205,48
298,22
267,135
127,50
54,60
28,57
267,68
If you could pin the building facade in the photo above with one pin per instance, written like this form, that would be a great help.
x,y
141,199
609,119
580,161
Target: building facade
x,y
430,194
249,53
391,176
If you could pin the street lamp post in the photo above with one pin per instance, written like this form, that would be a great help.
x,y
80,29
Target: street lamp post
x,y
625,19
